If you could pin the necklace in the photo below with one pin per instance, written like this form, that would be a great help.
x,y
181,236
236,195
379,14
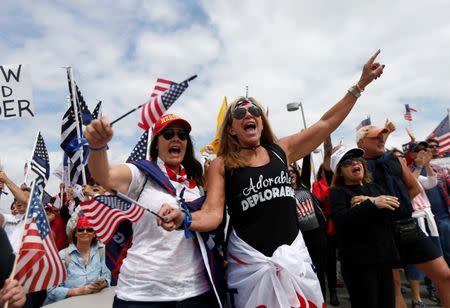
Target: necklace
x,y
253,148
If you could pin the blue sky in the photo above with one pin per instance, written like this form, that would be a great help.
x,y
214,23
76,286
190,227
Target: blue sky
x,y
284,52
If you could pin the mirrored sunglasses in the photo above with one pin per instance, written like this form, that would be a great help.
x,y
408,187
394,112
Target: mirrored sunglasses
x,y
88,230
349,161
240,112
169,133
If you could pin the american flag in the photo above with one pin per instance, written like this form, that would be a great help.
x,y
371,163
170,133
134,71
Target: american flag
x,y
106,212
97,113
164,95
40,164
46,198
442,134
71,130
364,122
140,150
39,265
408,115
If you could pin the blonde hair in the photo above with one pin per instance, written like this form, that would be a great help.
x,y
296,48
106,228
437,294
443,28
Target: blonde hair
x,y
229,148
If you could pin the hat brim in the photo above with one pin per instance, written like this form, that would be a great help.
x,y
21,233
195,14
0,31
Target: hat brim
x,y
375,132
185,124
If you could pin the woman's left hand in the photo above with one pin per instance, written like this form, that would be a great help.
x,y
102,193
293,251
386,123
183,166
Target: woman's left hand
x,y
371,70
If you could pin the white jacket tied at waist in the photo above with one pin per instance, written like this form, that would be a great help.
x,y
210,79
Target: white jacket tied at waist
x,y
286,279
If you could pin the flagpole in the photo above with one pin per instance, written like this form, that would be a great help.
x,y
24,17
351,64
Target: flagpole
x,y
123,196
77,114
32,153
17,255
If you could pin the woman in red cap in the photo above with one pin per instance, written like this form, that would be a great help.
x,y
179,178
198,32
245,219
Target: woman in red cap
x,y
161,269
85,264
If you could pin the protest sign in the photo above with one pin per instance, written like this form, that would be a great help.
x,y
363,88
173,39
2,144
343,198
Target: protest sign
x,y
16,99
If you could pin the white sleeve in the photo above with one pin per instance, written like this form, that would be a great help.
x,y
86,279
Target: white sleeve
x,y
137,182
428,182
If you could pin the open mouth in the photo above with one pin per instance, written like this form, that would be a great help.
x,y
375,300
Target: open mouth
x,y
356,169
249,126
174,149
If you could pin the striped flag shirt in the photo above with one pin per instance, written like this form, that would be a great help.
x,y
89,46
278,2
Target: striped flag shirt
x,y
39,265
164,95
40,164
442,134
106,212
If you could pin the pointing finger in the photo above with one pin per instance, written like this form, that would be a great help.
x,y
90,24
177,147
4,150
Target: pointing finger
x,y
372,59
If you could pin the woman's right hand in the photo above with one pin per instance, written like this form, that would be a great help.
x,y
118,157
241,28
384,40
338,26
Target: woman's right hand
x,y
84,290
173,217
386,202
98,133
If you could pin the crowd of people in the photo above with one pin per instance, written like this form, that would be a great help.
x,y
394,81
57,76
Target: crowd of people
x,y
378,211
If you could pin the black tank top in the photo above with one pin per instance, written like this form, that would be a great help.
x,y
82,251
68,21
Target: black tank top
x,y
261,203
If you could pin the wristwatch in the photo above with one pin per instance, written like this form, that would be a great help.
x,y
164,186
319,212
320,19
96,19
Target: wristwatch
x,y
355,90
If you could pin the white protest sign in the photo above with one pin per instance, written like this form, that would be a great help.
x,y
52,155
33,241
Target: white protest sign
x,y
16,98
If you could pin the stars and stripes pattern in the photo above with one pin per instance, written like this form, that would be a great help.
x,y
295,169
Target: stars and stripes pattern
x,y
106,212
442,134
164,95
408,114
39,265
140,150
40,165
97,113
363,123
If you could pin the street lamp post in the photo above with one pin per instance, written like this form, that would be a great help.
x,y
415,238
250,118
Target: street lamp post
x,y
294,107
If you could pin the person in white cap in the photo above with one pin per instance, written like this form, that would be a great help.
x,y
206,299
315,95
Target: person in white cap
x,y
395,177
366,245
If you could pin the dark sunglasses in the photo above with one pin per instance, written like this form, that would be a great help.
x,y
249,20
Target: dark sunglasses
x,y
240,112
433,146
169,133
420,149
88,230
349,161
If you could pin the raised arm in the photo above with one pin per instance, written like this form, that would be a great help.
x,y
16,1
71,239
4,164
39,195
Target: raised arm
x,y
98,134
210,215
19,194
300,144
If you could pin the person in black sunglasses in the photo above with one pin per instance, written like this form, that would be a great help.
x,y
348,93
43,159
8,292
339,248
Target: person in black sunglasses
x,y
85,265
251,176
161,269
360,211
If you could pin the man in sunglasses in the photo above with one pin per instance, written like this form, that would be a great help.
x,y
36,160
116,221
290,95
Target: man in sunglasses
x,y
395,177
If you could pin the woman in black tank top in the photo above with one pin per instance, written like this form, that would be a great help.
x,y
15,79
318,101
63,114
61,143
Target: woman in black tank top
x,y
250,175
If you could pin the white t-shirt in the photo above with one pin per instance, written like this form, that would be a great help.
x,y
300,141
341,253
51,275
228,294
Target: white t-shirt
x,y
160,265
13,226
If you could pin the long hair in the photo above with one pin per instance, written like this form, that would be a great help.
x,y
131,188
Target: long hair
x,y
229,148
192,166
338,178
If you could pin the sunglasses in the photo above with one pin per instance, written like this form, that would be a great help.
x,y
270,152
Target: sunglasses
x,y
420,149
433,146
240,112
349,161
169,133
88,230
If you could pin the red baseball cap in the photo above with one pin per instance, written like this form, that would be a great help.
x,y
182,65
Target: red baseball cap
x,y
169,119
83,222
